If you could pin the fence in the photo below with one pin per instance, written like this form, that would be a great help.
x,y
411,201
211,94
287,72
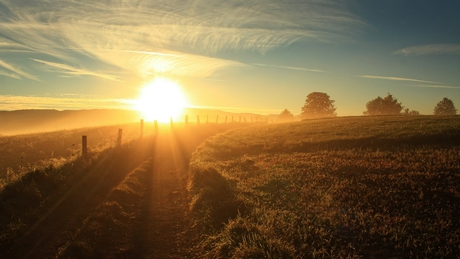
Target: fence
x,y
84,139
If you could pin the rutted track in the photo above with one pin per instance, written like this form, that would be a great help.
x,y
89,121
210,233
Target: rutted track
x,y
154,223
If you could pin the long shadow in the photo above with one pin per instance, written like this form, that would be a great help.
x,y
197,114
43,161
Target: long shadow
x,y
45,218
160,226
381,143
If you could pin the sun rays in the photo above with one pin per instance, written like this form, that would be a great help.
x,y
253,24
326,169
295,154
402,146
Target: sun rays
x,y
160,100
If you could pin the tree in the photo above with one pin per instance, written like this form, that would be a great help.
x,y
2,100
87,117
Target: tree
x,y
286,115
445,107
318,105
408,112
383,106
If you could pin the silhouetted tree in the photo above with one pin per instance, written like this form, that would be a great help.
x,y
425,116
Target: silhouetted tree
x,y
286,115
384,106
318,105
408,112
445,107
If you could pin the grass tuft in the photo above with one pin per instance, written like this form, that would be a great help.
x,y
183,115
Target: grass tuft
x,y
214,198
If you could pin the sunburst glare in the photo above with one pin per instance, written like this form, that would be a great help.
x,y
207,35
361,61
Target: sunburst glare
x,y
160,100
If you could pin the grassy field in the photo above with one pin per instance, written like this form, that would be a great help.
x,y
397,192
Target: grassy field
x,y
20,154
100,206
364,187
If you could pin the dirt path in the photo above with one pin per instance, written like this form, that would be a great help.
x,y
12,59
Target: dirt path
x,y
170,230
163,227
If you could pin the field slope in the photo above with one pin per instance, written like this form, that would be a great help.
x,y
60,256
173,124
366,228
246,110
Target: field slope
x,y
333,188
128,201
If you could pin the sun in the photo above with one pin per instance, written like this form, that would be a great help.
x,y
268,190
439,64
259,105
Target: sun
x,y
160,100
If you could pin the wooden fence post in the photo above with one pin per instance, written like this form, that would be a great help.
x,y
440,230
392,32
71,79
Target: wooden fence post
x,y
198,119
120,134
244,119
226,118
156,127
171,122
217,119
232,118
186,120
84,146
142,129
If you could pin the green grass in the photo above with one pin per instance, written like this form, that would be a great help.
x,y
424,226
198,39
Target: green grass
x,y
333,188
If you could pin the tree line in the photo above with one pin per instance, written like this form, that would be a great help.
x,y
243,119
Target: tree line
x,y
320,105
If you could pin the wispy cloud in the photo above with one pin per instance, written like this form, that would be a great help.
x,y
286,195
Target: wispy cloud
x,y
17,71
291,68
5,44
5,73
171,36
397,79
438,86
11,102
453,49
77,71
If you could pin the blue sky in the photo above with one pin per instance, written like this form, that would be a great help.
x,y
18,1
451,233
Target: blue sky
x,y
253,55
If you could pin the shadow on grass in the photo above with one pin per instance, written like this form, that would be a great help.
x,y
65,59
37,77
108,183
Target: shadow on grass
x,y
215,200
373,143
45,204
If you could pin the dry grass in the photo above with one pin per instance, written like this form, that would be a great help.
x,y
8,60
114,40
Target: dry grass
x,y
44,200
21,154
345,187
109,230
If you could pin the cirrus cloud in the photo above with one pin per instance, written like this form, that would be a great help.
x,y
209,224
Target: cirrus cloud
x,y
431,49
393,78
178,37
9,102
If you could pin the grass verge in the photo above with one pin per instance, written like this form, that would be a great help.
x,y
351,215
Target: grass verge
x,y
344,187
43,202
109,232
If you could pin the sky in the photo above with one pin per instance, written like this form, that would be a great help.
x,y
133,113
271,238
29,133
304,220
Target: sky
x,y
259,56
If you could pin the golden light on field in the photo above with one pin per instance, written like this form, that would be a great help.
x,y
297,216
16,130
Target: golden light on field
x,y
160,100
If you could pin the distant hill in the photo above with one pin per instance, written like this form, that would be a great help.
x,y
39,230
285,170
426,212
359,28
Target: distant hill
x,y
30,121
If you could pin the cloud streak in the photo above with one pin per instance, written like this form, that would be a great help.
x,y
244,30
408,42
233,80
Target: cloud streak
x,y
17,71
10,102
5,73
291,68
77,71
432,49
439,86
397,79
